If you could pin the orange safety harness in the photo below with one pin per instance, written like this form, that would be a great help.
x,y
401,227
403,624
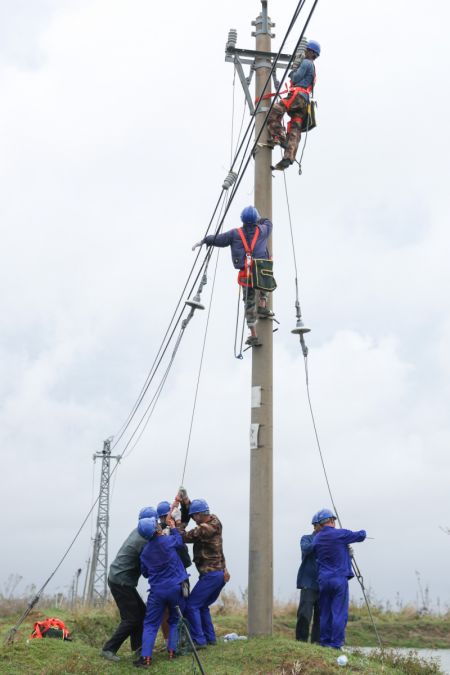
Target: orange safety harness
x,y
288,101
41,628
245,277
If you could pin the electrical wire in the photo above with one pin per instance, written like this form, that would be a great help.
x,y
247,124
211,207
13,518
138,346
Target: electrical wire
x,y
200,370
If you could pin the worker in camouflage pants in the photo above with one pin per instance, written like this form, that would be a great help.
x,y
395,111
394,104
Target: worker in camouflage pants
x,y
249,298
295,105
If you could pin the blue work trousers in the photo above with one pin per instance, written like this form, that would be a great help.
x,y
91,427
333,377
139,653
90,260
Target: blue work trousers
x,y
205,593
158,600
333,601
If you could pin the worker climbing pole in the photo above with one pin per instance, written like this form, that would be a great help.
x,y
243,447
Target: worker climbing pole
x,y
297,105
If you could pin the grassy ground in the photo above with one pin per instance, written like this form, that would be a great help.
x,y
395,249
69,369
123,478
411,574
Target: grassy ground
x,y
280,655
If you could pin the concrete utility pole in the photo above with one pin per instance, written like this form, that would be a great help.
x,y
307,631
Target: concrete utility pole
x,y
260,573
97,590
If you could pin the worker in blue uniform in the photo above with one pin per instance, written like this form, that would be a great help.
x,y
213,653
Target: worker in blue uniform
x,y
248,243
308,583
331,546
166,574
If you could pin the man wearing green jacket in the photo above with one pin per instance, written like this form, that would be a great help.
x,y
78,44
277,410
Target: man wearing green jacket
x,y
123,578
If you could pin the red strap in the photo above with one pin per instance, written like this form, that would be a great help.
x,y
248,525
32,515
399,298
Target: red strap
x,y
248,250
266,96
287,102
244,276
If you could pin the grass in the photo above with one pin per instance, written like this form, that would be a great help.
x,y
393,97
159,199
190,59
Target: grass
x,y
279,655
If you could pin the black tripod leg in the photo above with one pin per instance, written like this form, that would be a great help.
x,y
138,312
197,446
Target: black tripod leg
x,y
190,639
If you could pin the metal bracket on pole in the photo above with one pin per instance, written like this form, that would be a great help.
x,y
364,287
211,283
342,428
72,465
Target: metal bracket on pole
x,y
241,57
245,81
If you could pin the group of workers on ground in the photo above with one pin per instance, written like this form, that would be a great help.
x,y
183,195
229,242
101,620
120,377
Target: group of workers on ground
x,y
323,578
157,549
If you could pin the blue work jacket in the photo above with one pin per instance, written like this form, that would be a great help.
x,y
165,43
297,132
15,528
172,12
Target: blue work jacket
x,y
304,76
160,562
232,238
331,548
307,572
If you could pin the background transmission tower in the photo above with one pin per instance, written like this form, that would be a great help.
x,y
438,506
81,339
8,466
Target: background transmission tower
x,y
97,589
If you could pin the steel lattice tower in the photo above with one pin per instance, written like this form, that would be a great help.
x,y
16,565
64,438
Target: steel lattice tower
x,y
98,576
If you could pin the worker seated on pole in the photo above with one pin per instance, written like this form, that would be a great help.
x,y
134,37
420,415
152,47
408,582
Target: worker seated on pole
x,y
210,562
161,564
251,257
123,578
295,104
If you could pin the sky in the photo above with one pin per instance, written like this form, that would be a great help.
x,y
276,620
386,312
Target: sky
x,y
116,135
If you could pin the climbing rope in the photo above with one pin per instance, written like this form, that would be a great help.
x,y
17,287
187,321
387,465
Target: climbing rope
x,y
201,356
355,567
301,331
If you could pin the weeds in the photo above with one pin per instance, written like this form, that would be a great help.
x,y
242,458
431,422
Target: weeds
x,y
410,663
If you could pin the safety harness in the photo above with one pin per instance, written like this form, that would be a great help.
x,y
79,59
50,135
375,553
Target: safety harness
x,y
245,277
54,628
293,93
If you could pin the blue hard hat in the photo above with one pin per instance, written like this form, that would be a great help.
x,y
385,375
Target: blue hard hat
x,y
163,508
148,512
320,516
250,215
313,46
147,527
198,506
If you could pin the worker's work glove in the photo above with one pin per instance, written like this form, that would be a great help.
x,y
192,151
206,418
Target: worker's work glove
x,y
226,575
176,514
165,531
351,552
197,245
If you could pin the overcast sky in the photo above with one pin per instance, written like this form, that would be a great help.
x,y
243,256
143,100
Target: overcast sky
x,y
115,139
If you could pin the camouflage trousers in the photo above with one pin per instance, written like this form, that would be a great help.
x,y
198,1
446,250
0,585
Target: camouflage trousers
x,y
249,298
296,107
